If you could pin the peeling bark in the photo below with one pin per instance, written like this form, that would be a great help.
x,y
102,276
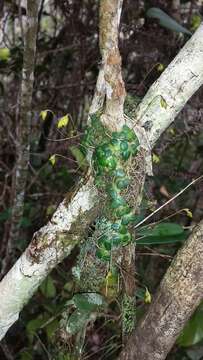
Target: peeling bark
x,y
49,246
180,292
110,12
110,85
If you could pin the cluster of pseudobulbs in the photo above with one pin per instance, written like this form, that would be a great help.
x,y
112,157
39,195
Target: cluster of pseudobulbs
x,y
112,154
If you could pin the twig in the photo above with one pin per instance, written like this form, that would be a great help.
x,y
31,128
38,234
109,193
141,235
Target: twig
x,y
169,201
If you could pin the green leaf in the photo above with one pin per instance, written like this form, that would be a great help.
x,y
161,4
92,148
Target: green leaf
x,y
35,324
162,229
48,288
88,301
160,240
51,328
81,159
193,331
164,233
140,293
77,321
167,21
4,54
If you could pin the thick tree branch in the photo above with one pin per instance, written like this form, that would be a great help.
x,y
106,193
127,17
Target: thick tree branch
x,y
180,292
49,246
168,95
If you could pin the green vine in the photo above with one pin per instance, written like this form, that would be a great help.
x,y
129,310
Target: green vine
x,y
111,160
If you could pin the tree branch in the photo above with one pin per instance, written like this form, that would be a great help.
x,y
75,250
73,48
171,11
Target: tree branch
x,y
168,95
49,246
179,294
110,12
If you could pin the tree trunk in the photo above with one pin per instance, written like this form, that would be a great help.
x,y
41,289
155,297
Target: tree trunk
x,y
180,292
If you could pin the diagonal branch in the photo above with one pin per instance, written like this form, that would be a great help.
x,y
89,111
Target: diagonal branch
x,y
48,247
168,95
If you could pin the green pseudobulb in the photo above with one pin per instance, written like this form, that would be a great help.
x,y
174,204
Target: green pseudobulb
x,y
111,152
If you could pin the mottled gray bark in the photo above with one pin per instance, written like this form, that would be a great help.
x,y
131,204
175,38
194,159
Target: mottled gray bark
x,y
49,246
180,292
110,12
170,92
23,128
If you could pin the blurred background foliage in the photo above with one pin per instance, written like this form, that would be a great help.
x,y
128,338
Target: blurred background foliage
x,y
152,32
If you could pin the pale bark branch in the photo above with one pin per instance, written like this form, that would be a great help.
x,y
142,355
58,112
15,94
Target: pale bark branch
x,y
180,292
16,288
168,95
49,246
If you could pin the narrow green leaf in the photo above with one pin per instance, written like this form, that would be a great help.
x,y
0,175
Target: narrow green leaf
x,y
164,233
162,229
48,288
77,321
34,325
193,331
160,240
81,159
51,328
167,21
88,301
